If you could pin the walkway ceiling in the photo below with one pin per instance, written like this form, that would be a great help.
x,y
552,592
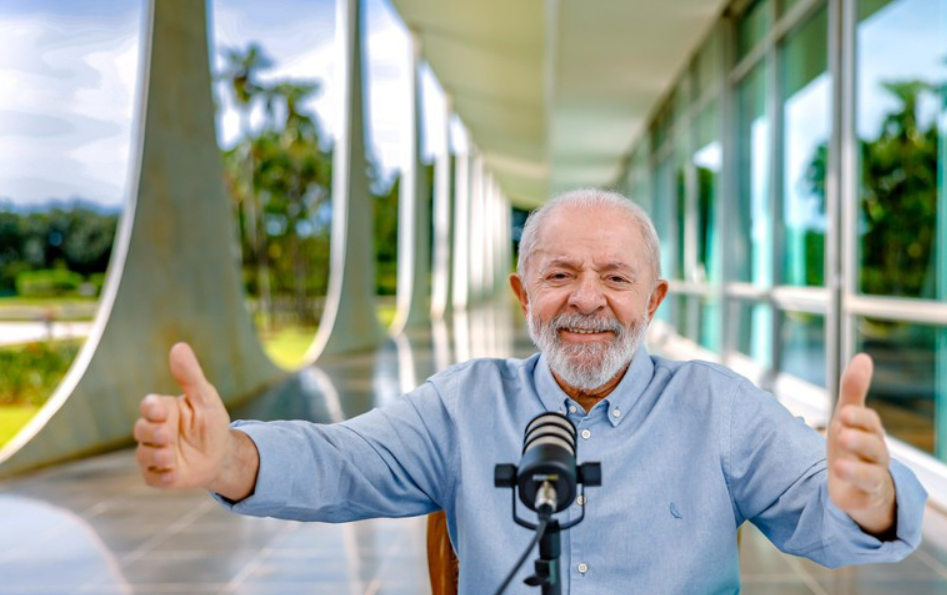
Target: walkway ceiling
x,y
553,92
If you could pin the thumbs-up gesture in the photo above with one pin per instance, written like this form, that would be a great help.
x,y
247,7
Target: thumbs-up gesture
x,y
186,442
858,459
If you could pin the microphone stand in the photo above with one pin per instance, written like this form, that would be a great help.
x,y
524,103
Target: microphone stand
x,y
547,568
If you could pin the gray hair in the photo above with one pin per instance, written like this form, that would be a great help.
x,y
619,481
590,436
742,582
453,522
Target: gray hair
x,y
585,198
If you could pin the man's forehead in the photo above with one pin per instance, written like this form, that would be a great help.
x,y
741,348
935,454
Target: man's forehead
x,y
571,256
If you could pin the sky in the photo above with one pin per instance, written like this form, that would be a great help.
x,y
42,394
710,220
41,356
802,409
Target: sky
x,y
69,78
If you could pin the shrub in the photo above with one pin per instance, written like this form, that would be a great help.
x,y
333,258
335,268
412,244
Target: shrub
x,y
30,373
48,283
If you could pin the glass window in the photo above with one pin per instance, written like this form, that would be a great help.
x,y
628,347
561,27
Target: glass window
x,y
710,330
802,346
909,386
684,322
661,215
708,69
680,211
752,259
638,182
785,6
900,106
660,128
753,26
754,331
708,164
805,109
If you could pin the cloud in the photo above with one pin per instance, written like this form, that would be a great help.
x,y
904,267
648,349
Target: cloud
x,y
67,99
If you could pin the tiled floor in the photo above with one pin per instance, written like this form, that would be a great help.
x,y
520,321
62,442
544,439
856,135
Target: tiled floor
x,y
92,527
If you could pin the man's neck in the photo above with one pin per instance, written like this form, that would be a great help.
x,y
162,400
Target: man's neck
x,y
588,398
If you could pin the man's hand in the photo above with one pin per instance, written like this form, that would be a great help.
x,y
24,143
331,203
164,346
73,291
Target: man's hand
x,y
186,441
858,459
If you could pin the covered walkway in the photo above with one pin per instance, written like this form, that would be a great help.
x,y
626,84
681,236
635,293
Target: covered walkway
x,y
93,527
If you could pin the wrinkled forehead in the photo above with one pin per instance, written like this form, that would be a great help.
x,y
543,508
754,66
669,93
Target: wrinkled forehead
x,y
602,236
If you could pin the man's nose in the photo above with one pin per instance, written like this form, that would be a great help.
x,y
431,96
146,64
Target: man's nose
x,y
588,296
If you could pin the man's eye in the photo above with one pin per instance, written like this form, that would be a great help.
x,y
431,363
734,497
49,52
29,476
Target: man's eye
x,y
557,276
618,280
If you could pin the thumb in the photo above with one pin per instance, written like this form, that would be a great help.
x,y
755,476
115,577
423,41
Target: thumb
x,y
856,380
188,374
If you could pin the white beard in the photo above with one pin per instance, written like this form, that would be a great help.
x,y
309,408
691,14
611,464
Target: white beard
x,y
590,365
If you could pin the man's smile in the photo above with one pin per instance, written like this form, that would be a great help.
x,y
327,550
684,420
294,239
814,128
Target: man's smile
x,y
580,335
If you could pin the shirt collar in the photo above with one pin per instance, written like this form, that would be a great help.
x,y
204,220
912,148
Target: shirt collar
x,y
622,399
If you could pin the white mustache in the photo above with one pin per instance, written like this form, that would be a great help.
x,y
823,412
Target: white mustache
x,y
587,323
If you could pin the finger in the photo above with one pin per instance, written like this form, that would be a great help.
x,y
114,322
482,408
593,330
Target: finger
x,y
188,374
153,409
158,478
154,434
862,418
154,458
866,446
867,477
855,382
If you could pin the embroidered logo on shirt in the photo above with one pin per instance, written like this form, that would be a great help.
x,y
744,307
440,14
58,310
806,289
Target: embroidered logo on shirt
x,y
675,512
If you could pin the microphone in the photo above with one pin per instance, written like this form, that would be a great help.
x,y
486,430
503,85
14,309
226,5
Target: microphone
x,y
547,476
546,480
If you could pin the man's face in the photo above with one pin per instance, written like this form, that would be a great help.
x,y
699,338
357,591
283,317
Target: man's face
x,y
588,293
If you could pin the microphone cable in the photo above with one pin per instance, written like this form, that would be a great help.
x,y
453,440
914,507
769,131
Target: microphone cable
x,y
540,530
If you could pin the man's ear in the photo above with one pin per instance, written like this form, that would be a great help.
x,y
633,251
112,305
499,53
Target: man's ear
x,y
657,296
520,290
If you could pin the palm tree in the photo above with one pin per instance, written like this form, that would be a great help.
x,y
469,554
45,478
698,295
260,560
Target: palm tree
x,y
240,72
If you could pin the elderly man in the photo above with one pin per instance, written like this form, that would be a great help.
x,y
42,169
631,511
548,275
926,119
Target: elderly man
x,y
689,450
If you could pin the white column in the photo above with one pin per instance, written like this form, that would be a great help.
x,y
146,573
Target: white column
x,y
477,193
349,322
460,286
414,222
440,282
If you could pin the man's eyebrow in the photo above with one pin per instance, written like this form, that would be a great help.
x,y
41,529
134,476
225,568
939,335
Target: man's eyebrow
x,y
561,261
617,265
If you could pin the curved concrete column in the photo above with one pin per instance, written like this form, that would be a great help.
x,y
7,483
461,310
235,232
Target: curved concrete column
x,y
441,269
460,258
174,273
349,323
477,193
491,231
414,218
501,240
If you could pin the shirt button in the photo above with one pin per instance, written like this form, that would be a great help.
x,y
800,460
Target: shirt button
x,y
616,412
586,434
582,567
572,409
580,500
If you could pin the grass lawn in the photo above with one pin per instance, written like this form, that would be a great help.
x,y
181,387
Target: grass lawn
x,y
12,418
288,345
72,309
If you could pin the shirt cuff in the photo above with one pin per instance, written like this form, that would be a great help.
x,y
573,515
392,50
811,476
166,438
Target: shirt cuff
x,y
275,457
850,542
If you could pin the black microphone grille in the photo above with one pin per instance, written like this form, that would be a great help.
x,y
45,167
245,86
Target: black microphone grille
x,y
550,427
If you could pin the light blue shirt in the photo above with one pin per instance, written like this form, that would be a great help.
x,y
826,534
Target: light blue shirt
x,y
689,451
